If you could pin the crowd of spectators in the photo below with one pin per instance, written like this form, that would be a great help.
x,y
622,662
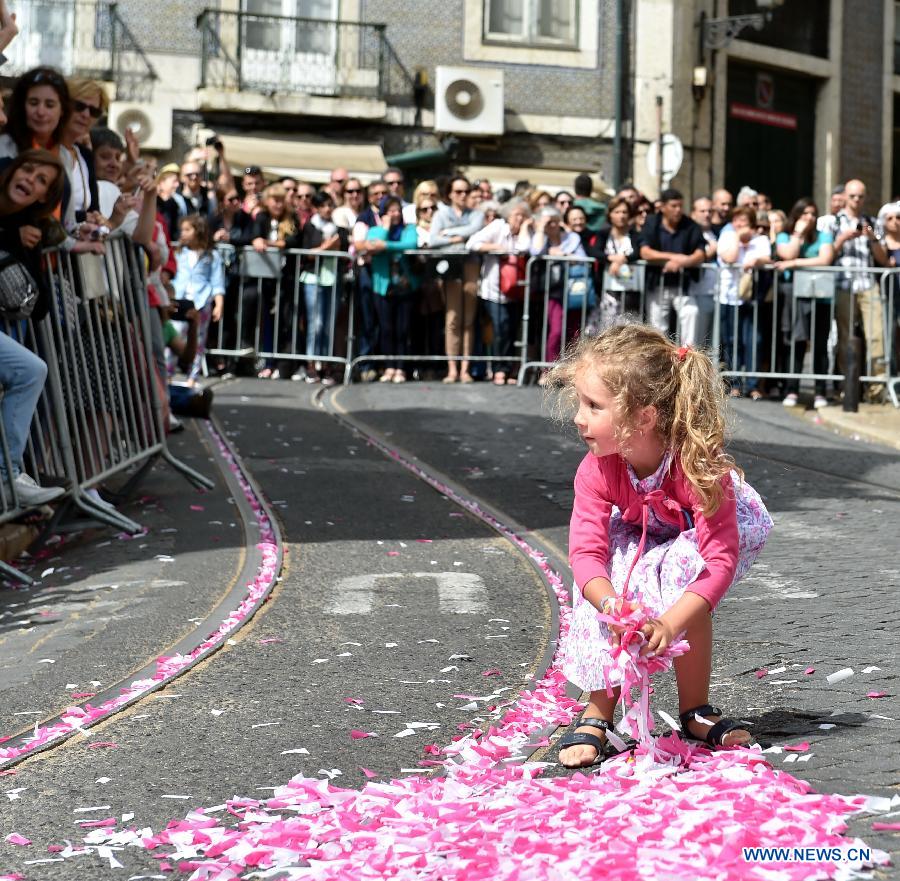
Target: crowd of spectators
x,y
438,282
463,299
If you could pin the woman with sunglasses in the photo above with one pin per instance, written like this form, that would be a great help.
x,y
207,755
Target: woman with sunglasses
x,y
452,226
88,102
563,202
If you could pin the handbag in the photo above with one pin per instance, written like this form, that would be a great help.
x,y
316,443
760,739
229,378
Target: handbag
x,y
814,285
18,289
580,287
512,275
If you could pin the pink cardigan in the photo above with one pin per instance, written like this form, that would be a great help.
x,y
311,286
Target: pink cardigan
x,y
602,481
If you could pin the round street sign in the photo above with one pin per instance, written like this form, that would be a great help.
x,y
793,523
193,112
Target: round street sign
x,y
672,156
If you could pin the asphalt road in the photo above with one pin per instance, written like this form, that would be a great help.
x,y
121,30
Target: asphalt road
x,y
392,603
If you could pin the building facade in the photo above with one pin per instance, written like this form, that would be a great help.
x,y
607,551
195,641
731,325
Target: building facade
x,y
803,97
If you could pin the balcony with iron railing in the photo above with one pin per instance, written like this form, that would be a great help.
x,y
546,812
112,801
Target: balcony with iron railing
x,y
288,56
81,38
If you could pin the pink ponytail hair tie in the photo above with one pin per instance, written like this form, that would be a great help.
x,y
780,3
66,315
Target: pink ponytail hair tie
x,y
682,352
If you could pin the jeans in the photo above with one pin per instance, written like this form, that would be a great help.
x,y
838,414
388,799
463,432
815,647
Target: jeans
x,y
394,315
740,350
318,312
22,375
505,318
367,323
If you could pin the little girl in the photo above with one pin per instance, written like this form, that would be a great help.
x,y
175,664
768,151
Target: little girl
x,y
662,520
199,282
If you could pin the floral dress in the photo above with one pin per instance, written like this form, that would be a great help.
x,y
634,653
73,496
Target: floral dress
x,y
670,562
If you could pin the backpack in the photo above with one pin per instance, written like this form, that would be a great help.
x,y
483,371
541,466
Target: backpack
x,y
18,289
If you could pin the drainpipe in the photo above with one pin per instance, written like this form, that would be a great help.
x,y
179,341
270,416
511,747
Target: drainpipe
x,y
618,170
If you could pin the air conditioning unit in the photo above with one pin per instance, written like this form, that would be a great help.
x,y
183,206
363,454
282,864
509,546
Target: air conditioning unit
x,y
468,101
151,123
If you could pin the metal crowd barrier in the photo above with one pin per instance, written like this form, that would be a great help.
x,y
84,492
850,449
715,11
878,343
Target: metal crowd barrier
x,y
270,298
100,414
760,336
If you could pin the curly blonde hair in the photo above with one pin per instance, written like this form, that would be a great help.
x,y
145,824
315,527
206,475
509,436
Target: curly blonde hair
x,y
641,367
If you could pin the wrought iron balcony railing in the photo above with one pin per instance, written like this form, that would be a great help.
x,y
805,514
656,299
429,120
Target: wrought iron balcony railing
x,y
81,38
285,55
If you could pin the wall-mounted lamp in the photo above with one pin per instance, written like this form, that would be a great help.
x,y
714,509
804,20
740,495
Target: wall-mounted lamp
x,y
699,82
718,33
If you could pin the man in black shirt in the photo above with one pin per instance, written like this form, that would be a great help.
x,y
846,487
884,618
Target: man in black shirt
x,y
674,244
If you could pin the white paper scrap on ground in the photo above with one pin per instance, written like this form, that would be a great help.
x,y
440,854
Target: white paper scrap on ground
x,y
839,676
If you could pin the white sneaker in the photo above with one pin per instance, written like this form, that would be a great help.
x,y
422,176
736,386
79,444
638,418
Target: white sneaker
x,y
32,495
820,402
790,400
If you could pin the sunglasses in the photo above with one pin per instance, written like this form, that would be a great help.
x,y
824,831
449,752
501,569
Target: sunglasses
x,y
252,169
232,198
190,174
304,195
339,180
350,191
424,208
47,76
393,183
80,107
464,192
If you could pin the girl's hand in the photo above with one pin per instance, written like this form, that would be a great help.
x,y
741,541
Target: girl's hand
x,y
30,236
800,227
781,265
659,636
259,245
616,606
218,309
385,221
221,235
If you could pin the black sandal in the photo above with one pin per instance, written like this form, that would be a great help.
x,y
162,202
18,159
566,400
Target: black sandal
x,y
717,731
581,738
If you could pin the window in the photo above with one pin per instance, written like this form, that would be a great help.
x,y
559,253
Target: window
x,y
897,38
532,22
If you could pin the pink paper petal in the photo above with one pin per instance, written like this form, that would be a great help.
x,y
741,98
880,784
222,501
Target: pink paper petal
x,y
761,673
886,827
809,671
367,772
103,744
876,694
15,838
801,747
356,734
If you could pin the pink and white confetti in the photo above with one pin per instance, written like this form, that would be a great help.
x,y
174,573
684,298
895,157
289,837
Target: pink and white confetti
x,y
668,809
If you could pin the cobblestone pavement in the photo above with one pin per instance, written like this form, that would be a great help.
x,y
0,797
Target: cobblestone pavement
x,y
824,595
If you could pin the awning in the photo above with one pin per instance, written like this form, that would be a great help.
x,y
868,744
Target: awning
x,y
550,179
305,159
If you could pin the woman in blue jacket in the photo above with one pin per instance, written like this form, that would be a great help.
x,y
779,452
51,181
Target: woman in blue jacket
x,y
393,283
199,282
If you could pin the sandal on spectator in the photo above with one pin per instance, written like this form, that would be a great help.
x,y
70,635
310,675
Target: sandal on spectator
x,y
466,377
582,738
399,376
388,375
735,393
265,373
499,378
756,395
448,378
717,731
790,399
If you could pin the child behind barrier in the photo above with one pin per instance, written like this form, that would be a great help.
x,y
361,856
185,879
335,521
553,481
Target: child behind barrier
x,y
199,282
662,521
